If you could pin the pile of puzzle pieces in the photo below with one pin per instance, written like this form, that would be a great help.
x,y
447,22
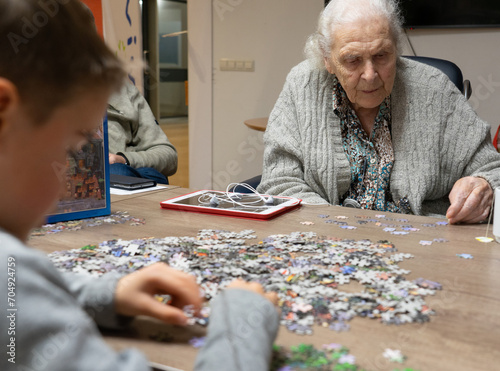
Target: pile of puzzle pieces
x,y
306,271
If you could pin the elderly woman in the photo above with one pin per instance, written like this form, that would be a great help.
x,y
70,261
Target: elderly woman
x,y
357,125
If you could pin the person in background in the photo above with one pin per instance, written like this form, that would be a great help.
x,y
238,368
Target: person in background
x,y
55,322
138,147
358,125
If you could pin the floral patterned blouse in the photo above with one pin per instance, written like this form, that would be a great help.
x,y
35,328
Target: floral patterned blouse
x,y
371,158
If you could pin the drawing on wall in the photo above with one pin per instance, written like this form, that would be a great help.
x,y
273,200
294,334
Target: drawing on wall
x,y
123,34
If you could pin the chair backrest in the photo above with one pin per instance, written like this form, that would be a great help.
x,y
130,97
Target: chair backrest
x,y
252,182
448,68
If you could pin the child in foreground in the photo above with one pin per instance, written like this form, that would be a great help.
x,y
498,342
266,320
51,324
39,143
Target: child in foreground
x,y
56,76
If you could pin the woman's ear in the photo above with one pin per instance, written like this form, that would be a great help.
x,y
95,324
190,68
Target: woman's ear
x,y
328,65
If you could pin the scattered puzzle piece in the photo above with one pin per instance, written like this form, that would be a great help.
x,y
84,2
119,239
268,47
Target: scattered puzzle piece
x,y
394,355
484,239
197,342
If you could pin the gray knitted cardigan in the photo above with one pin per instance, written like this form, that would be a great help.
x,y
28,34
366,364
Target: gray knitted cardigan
x,y
436,136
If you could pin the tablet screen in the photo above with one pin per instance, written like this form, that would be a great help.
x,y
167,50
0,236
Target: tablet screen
x,y
240,202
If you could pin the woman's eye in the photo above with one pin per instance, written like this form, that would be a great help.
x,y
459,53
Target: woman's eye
x,y
352,61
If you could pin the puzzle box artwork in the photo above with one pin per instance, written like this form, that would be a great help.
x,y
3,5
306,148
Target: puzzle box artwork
x,y
86,192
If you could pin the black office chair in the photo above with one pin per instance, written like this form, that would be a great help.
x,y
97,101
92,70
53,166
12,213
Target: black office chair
x,y
252,182
450,69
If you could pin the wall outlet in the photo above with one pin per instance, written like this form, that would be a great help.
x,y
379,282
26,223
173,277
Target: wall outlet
x,y
241,65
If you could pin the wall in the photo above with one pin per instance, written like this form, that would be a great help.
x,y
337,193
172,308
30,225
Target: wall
x,y
200,92
477,53
123,34
96,8
272,33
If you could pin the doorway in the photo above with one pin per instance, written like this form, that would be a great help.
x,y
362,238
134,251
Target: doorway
x,y
173,62
165,29
172,42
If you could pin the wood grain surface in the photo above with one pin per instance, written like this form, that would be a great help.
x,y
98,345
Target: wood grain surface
x,y
463,335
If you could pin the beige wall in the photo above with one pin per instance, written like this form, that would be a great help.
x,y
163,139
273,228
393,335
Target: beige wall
x,y
200,92
117,31
272,33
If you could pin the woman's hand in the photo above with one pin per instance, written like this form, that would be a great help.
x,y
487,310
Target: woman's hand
x,y
470,200
135,293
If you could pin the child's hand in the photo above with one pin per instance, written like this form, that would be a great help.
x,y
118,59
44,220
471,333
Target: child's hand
x,y
135,293
255,287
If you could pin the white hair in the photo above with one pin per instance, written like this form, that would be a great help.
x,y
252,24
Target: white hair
x,y
342,12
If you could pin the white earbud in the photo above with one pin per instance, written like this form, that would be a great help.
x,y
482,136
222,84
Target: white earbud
x,y
250,201
214,201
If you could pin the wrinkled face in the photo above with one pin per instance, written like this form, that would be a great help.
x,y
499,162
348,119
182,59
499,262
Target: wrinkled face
x,y
363,57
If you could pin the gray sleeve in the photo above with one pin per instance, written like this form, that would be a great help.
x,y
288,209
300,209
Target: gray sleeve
x,y
242,329
283,168
467,141
96,297
485,160
50,329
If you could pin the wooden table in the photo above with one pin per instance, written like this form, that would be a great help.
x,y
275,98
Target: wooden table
x,y
463,335
259,124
